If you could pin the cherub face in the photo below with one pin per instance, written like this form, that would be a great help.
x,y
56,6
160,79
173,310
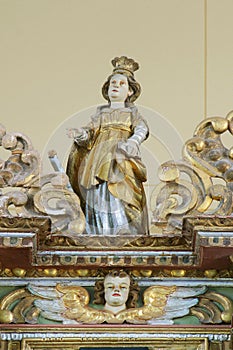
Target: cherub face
x,y
118,90
116,290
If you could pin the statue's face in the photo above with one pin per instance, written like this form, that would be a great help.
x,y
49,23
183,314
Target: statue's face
x,y
118,90
116,290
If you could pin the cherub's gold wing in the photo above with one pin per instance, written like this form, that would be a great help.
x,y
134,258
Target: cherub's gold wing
x,y
155,300
76,300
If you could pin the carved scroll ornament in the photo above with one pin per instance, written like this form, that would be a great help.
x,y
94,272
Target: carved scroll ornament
x,y
189,187
23,165
25,192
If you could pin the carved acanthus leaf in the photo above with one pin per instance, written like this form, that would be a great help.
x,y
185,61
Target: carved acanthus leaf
x,y
62,205
12,202
22,166
206,150
213,308
188,187
182,190
25,192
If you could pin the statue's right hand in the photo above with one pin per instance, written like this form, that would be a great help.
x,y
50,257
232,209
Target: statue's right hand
x,y
75,133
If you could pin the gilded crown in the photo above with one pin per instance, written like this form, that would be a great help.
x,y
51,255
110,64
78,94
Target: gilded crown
x,y
124,64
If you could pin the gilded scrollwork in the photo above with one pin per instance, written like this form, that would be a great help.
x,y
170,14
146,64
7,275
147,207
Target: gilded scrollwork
x,y
206,149
188,187
174,196
12,200
213,308
63,206
23,165
26,193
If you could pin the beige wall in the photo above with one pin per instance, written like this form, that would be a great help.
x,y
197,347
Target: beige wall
x,y
55,55
220,57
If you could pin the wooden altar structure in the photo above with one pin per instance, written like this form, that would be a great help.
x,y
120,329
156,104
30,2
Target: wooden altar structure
x,y
189,248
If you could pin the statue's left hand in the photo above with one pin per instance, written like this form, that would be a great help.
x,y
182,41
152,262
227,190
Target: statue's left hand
x,y
130,148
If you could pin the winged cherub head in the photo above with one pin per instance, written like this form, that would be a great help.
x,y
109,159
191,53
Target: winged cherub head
x,y
116,292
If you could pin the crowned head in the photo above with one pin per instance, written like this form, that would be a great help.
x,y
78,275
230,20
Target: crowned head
x,y
125,67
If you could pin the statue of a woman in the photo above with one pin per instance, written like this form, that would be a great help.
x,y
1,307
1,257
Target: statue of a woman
x,y
104,166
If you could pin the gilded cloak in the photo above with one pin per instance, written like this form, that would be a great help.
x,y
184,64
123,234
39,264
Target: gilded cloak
x,y
108,182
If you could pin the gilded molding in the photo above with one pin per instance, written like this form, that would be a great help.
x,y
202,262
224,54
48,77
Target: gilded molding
x,y
179,338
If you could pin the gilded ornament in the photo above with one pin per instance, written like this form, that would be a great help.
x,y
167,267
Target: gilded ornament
x,y
196,144
23,307
213,308
124,63
171,200
168,173
61,204
220,125
77,226
210,273
9,141
36,194
136,273
6,316
231,152
7,272
204,158
146,273
230,119
22,167
178,273
19,272
50,272
12,297
82,272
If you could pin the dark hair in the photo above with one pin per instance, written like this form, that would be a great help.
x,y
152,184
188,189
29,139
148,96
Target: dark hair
x,y
133,85
133,289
